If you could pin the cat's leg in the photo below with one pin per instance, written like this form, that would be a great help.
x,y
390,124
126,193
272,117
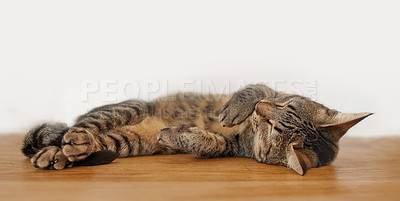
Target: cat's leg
x,y
242,104
198,142
136,140
124,141
42,144
85,137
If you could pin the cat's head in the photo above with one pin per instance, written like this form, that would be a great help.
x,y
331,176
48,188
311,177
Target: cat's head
x,y
299,133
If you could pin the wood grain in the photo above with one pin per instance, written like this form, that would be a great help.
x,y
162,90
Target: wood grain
x,y
366,169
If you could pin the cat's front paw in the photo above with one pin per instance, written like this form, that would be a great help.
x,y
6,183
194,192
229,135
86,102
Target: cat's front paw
x,y
77,144
50,158
235,111
172,137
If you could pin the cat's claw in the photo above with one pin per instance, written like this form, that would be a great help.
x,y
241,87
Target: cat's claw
x,y
77,144
50,158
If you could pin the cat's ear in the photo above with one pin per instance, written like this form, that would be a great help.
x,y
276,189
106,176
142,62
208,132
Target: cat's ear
x,y
298,159
342,122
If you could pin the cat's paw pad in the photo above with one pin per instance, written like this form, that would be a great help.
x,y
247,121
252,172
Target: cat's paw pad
x,y
235,112
171,136
50,158
77,144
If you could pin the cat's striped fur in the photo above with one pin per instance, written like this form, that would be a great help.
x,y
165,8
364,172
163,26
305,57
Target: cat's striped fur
x,y
255,122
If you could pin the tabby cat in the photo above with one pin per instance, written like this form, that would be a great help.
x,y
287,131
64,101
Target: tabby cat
x,y
255,122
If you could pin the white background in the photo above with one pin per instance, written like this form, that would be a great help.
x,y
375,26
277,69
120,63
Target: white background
x,y
53,52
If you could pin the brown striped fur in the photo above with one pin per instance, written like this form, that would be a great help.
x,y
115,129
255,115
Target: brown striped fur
x,y
255,122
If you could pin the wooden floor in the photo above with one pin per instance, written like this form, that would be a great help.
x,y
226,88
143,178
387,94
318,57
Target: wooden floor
x,y
366,169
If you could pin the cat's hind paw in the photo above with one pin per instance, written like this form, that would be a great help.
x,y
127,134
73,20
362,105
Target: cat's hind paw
x,y
50,158
77,144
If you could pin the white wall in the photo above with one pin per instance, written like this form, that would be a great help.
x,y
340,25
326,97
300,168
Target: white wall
x,y
53,52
